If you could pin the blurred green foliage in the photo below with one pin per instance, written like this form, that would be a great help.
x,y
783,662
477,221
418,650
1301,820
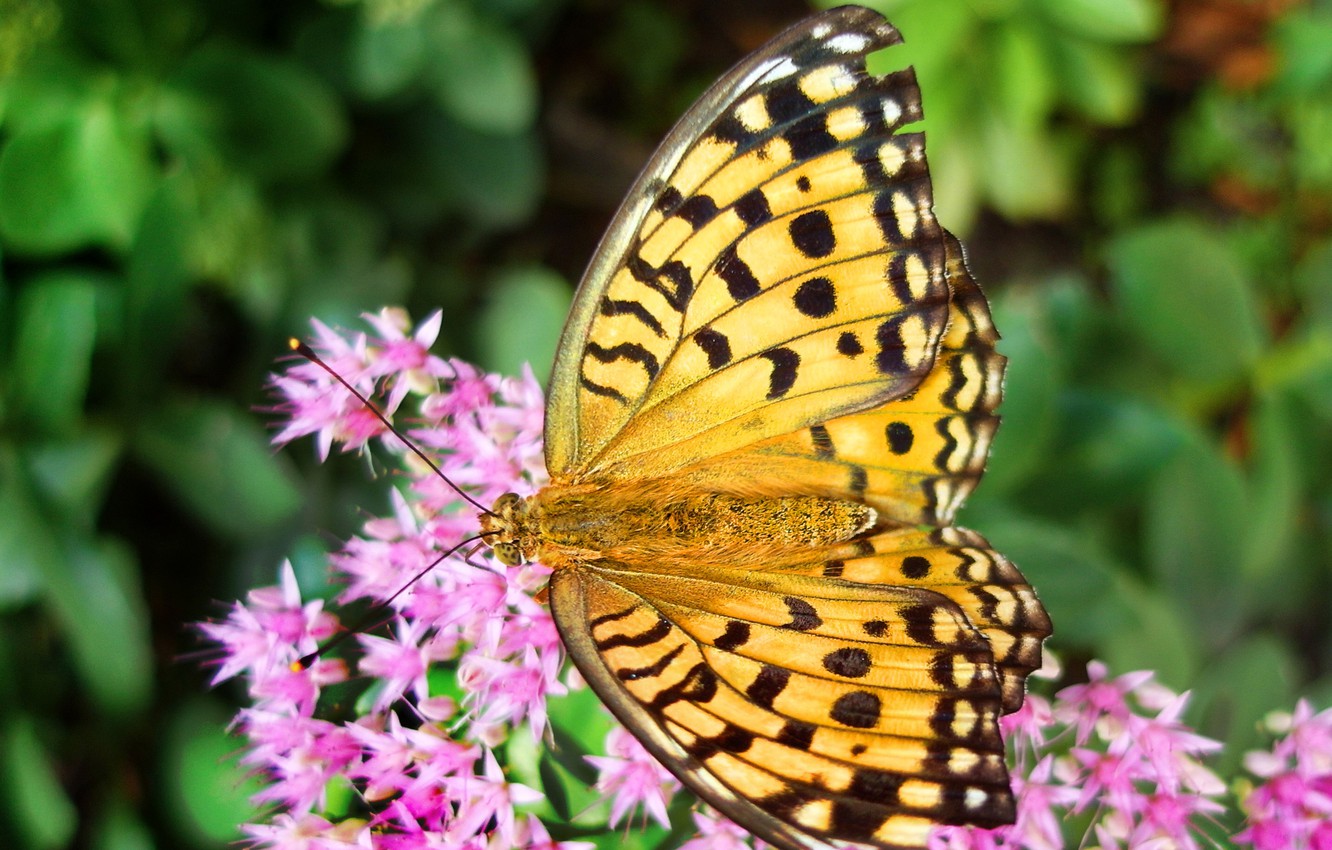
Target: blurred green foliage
x,y
1146,191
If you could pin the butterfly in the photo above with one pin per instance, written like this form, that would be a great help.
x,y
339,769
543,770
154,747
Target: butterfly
x,y
776,386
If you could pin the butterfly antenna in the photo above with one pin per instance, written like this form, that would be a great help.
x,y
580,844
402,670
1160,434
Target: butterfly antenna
x,y
309,354
368,621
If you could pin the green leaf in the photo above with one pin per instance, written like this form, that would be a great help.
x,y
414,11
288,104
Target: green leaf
x,y
94,591
1122,21
1195,520
1027,172
270,117
1110,448
1302,39
208,791
521,321
1104,83
1237,690
37,806
217,461
1030,386
53,351
482,73
1157,637
82,181
387,55
1024,83
1273,515
119,828
25,538
496,180
1186,296
73,476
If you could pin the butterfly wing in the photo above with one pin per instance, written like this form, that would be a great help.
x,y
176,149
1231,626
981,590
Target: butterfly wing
x,y
915,459
777,265
810,707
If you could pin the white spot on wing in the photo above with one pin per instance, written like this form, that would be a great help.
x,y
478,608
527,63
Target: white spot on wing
x,y
892,111
848,42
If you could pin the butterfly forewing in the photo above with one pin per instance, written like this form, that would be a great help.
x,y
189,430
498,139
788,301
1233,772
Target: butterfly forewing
x,y
915,459
740,302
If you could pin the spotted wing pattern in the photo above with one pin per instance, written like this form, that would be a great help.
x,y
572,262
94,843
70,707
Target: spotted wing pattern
x,y
775,312
777,265
815,703
916,458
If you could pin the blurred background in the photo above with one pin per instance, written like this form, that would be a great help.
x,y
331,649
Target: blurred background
x,y
1145,188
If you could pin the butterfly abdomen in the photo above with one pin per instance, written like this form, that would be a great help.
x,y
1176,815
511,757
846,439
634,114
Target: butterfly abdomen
x,y
648,519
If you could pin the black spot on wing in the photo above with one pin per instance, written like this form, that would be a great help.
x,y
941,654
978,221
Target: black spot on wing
x,y
803,615
822,440
920,624
735,636
768,685
739,278
848,345
891,356
915,566
900,437
785,366
698,685
875,628
850,662
816,297
601,390
698,210
857,709
612,617
752,208
809,137
796,734
669,200
715,345
812,233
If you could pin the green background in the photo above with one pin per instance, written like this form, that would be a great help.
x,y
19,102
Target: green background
x,y
1146,193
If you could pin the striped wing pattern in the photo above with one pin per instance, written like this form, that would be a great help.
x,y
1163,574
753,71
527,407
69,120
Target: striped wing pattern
x,y
777,265
853,699
775,312
914,459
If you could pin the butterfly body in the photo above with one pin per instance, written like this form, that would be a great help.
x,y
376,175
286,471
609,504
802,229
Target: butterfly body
x,y
663,522
776,386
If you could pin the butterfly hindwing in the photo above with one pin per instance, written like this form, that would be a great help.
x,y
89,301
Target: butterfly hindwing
x,y
805,707
777,265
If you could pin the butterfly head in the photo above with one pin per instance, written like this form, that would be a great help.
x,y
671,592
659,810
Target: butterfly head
x,y
505,527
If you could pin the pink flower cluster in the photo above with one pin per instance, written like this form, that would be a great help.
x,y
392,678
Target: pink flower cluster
x,y
404,739
412,764
1291,809
1113,748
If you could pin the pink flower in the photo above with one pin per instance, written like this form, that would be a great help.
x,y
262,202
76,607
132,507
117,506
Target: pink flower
x,y
1293,807
630,777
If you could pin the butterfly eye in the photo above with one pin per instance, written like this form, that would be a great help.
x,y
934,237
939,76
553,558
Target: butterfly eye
x,y
508,553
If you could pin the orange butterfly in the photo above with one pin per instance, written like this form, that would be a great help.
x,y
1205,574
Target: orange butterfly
x,y
776,386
